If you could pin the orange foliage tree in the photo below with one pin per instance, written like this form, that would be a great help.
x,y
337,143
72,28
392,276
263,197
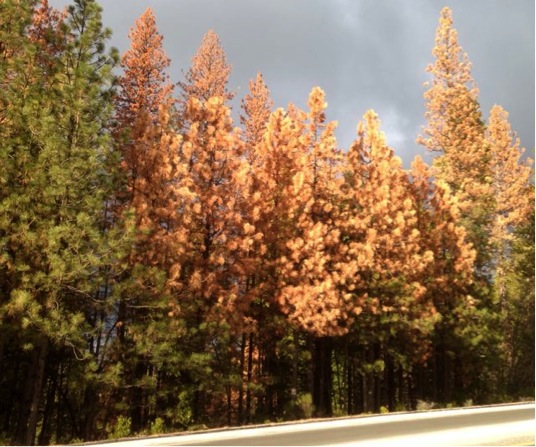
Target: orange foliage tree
x,y
455,130
148,144
213,296
144,84
208,73
154,191
513,192
217,234
256,107
310,273
482,166
438,218
256,110
384,259
381,226
512,175
308,268
447,280
273,213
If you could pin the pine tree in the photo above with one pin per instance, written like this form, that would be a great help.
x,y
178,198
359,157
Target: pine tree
x,y
311,272
58,182
144,84
456,131
382,229
384,257
15,18
476,171
511,185
272,216
311,295
438,217
208,73
146,136
513,194
212,298
256,109
447,279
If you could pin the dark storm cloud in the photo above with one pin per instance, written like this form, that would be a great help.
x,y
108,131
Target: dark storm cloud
x,y
363,53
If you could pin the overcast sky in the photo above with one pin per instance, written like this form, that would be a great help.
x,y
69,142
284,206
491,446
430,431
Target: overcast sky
x,y
363,53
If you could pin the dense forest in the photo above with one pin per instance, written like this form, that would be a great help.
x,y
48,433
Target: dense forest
x,y
163,268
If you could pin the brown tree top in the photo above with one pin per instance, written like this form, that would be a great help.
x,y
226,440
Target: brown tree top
x,y
309,266
144,84
208,73
273,202
212,221
148,144
47,33
256,106
514,198
455,126
144,90
452,66
455,130
379,225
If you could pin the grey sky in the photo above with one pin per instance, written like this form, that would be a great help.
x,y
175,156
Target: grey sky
x,y
363,53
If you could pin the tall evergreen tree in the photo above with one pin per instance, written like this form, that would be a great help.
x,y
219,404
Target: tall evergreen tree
x,y
513,193
309,269
384,253
455,130
256,109
447,280
483,168
212,297
146,136
272,213
59,179
310,292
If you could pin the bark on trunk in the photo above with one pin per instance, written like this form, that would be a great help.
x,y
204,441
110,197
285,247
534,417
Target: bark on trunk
x,y
28,418
322,377
249,375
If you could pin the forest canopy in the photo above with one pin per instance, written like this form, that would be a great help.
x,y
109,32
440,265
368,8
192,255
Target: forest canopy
x,y
165,267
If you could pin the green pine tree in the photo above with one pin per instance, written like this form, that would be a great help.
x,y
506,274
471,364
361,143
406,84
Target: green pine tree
x,y
55,182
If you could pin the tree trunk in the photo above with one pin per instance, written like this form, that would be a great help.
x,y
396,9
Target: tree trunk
x,y
249,375
391,387
295,365
46,433
84,428
241,389
269,371
322,376
229,406
369,385
349,381
28,418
